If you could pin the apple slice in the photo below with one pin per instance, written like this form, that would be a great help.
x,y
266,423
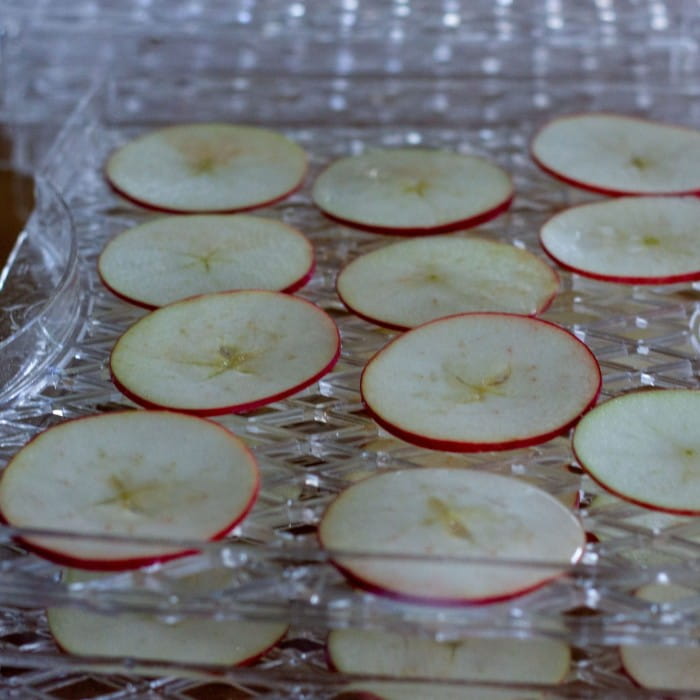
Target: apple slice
x,y
645,448
495,660
199,168
607,525
225,353
663,666
615,154
130,474
408,283
412,191
481,381
449,536
176,257
631,240
189,640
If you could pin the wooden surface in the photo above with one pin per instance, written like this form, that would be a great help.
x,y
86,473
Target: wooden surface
x,y
16,198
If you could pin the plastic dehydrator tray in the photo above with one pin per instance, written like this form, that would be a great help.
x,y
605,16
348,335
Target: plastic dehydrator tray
x,y
314,444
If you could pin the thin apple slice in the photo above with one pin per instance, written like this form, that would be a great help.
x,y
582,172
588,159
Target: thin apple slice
x,y
663,666
481,381
131,474
615,154
495,660
145,636
606,525
200,168
175,257
225,353
408,283
645,448
630,240
483,537
412,191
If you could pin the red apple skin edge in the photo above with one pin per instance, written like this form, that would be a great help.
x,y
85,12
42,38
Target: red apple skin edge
x,y
396,327
294,287
123,564
611,192
224,410
235,210
241,408
245,662
328,658
256,657
625,672
348,694
470,222
351,694
616,279
627,499
576,502
461,446
134,562
370,587
667,693
447,602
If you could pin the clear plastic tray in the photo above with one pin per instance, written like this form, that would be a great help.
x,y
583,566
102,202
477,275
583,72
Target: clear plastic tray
x,y
54,50
314,444
40,299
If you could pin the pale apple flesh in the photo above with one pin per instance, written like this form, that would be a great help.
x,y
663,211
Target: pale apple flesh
x,y
666,667
133,474
194,639
172,258
412,191
225,353
630,240
408,283
471,660
616,154
645,448
447,536
207,168
481,381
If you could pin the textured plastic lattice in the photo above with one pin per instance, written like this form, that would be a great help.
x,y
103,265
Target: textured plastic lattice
x,y
315,443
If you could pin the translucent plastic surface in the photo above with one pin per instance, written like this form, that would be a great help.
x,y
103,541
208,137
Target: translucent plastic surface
x,y
39,298
343,81
315,443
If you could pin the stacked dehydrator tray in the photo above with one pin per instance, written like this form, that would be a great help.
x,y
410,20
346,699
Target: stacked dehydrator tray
x,y
82,78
